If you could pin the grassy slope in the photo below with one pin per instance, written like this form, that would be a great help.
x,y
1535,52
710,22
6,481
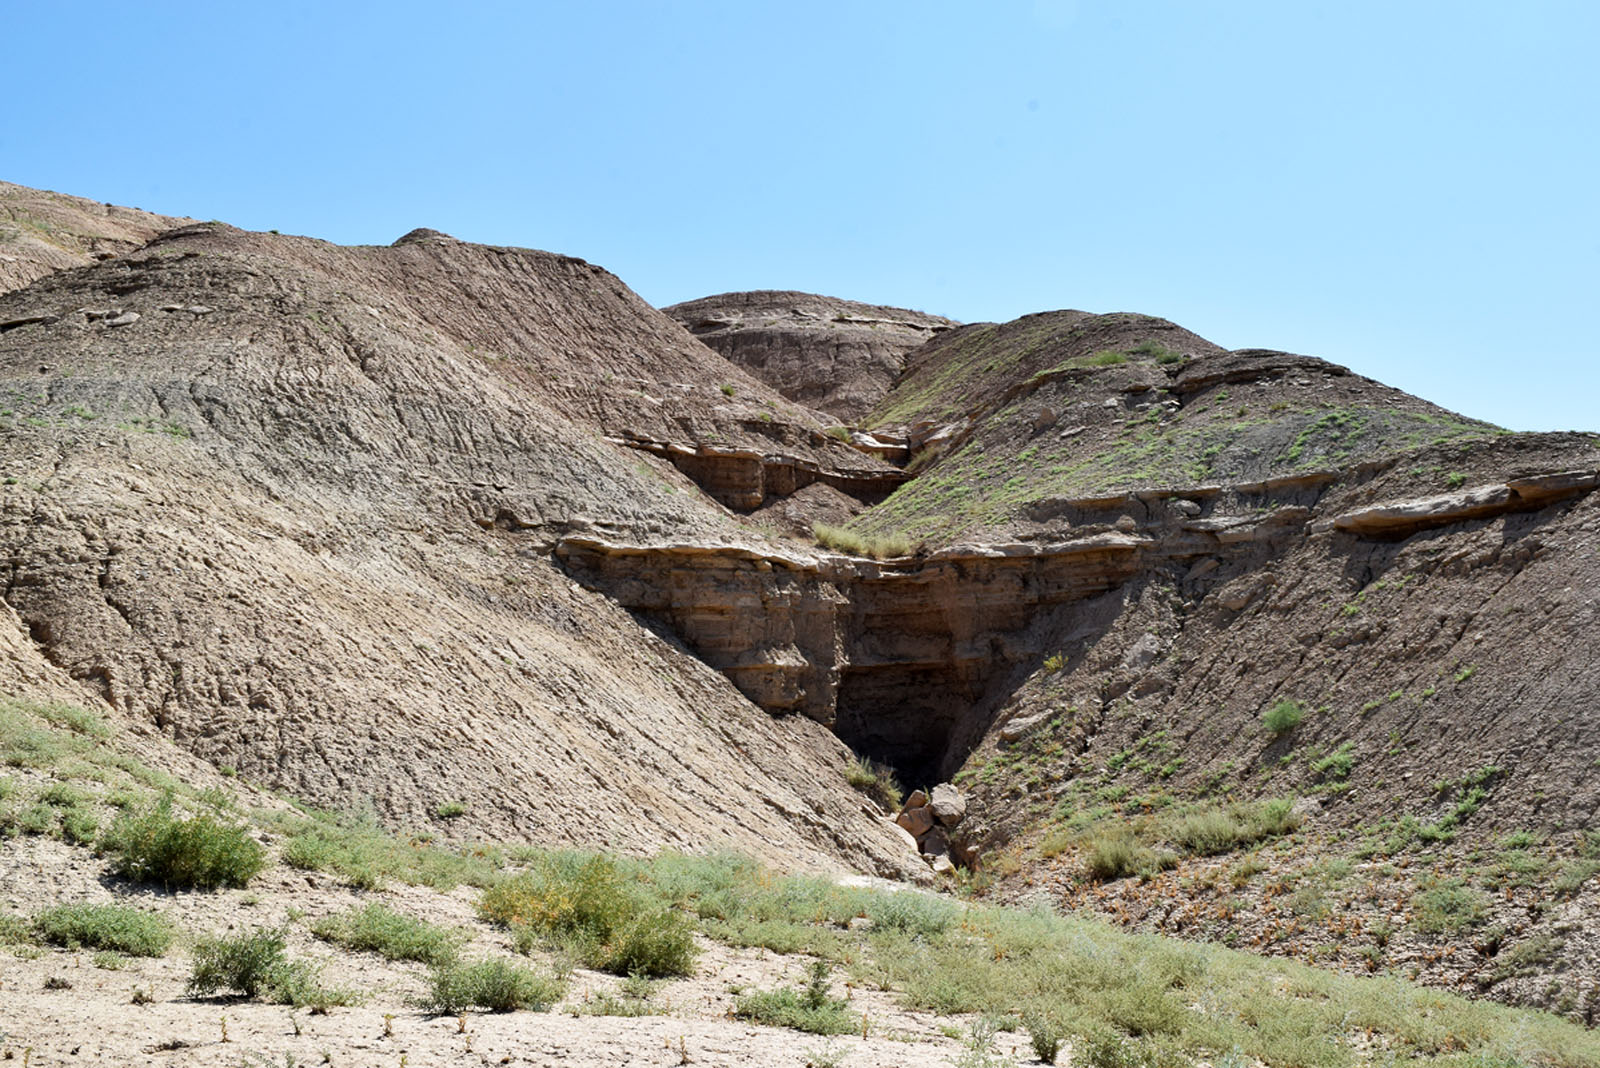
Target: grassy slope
x,y
1141,439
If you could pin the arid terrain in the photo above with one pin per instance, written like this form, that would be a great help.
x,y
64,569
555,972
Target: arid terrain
x,y
1237,674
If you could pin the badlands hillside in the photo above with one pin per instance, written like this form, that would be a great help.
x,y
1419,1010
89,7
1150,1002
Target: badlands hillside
x,y
470,547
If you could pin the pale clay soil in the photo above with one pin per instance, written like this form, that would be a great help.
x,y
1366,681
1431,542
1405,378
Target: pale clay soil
x,y
96,1020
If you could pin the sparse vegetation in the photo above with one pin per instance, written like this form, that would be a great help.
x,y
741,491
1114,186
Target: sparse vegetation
x,y
881,547
875,780
806,1008
449,810
497,985
587,905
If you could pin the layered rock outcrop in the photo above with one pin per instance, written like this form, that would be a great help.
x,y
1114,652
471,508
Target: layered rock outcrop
x,y
836,356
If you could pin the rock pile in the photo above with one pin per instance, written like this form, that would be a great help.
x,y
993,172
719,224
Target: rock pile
x,y
930,820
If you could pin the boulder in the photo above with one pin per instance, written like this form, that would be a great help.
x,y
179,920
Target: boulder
x,y
936,843
948,805
917,821
917,799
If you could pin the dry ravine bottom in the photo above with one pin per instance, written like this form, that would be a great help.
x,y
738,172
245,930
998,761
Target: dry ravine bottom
x,y
434,654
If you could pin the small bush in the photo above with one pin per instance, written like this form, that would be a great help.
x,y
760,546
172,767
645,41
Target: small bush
x,y
450,810
156,846
1283,717
247,964
876,781
109,927
586,904
1214,831
15,931
254,965
1114,853
1449,906
380,929
495,985
1045,1035
806,1008
1337,765
919,915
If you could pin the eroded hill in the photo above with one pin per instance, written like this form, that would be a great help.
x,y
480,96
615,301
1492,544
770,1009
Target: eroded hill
x,y
291,506
1234,645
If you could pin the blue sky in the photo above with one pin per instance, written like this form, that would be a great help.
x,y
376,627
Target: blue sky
x,y
1405,188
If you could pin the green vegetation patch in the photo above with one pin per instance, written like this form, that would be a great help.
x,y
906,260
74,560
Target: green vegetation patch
x,y
358,849
156,845
254,965
379,929
496,985
589,905
879,547
808,1007
107,927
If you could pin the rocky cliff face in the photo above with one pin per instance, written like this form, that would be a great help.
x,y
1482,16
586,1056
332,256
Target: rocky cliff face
x,y
836,356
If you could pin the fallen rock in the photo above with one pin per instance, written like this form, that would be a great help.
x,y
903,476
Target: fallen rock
x,y
125,319
917,799
916,821
943,865
936,843
948,806
1018,728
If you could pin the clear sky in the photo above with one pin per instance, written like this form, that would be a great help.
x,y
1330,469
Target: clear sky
x,y
1405,187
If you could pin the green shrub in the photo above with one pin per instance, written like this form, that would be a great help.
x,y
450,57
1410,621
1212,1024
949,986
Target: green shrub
x,y
1337,765
1113,853
805,1008
450,810
1045,1035
380,929
254,965
15,931
586,904
1283,717
156,846
1216,830
876,781
495,985
112,927
1450,906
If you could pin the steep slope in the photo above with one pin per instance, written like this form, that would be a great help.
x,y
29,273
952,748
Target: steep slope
x,y
836,356
42,232
291,505
1161,583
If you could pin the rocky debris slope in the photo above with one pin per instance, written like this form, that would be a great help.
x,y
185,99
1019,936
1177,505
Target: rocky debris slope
x,y
290,505
836,356
43,232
